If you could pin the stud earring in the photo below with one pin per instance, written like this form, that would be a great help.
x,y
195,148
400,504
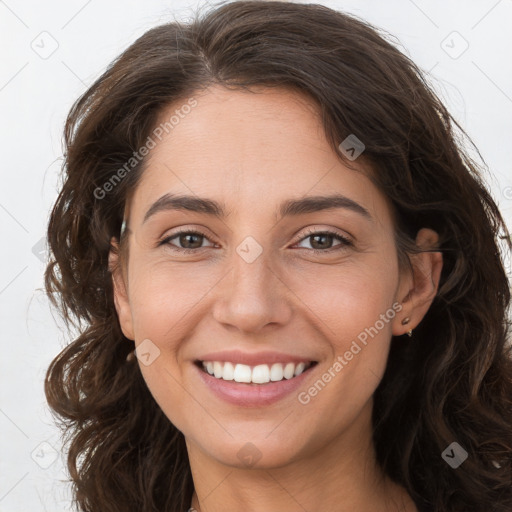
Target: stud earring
x,y
131,356
405,321
123,228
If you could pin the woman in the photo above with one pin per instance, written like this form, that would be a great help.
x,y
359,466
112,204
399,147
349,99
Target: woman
x,y
286,276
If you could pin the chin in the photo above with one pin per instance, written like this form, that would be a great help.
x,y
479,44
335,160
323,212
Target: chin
x,y
253,452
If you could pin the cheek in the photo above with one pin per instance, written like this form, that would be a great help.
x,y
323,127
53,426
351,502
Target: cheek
x,y
350,299
163,297
356,309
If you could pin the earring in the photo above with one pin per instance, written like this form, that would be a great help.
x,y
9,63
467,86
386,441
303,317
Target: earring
x,y
405,321
123,228
131,356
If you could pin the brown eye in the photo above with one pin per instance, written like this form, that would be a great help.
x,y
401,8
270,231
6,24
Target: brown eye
x,y
188,240
321,241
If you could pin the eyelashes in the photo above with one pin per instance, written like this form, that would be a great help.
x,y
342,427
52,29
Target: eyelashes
x,y
167,240
343,245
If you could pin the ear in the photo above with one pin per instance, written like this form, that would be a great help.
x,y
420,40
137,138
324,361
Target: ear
x,y
121,300
419,286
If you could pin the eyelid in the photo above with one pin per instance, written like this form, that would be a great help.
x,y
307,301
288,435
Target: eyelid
x,y
203,230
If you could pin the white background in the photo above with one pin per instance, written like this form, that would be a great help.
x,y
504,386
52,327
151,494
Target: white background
x,y
35,96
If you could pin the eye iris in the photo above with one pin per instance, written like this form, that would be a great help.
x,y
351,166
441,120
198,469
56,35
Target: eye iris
x,y
185,236
323,236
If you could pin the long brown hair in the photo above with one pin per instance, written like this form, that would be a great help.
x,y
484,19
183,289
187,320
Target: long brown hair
x,y
453,383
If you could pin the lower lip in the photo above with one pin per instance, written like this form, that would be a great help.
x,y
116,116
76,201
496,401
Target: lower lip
x,y
252,395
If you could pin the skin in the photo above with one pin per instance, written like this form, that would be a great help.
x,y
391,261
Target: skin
x,y
250,152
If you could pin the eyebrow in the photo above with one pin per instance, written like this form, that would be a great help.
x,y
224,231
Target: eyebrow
x,y
290,207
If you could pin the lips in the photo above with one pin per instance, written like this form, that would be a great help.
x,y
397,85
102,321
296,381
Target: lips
x,y
253,379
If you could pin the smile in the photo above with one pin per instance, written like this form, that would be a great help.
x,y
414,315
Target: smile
x,y
259,374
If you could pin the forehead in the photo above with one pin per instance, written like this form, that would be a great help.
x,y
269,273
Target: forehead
x,y
232,126
249,149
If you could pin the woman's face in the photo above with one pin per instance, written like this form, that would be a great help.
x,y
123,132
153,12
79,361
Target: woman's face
x,y
260,283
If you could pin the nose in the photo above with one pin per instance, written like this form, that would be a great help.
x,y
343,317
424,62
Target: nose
x,y
252,296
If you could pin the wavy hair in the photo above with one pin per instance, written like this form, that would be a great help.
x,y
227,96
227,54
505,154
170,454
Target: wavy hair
x,y
452,382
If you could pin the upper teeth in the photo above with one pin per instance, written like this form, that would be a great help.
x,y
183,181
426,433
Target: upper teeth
x,y
259,374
